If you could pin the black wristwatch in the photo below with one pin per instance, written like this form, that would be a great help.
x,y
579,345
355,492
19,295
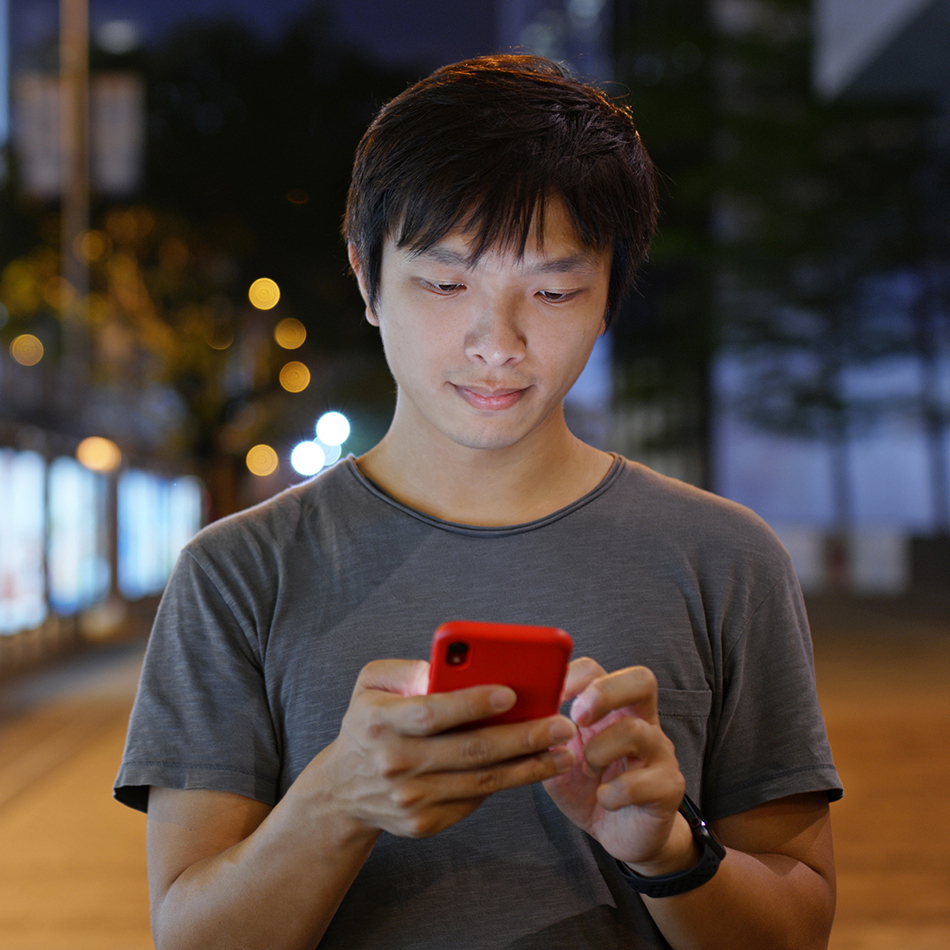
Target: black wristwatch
x,y
679,882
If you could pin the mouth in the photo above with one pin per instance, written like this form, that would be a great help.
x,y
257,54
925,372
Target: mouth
x,y
489,399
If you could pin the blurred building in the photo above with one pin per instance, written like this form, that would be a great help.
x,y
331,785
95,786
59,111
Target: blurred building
x,y
4,87
883,48
896,474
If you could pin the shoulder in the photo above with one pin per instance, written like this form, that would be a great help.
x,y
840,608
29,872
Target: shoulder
x,y
272,525
706,543
687,512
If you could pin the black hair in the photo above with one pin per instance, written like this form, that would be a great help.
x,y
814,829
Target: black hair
x,y
481,145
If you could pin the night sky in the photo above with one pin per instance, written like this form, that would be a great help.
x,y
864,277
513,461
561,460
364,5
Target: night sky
x,y
425,32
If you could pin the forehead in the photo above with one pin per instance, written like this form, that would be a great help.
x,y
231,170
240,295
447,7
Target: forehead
x,y
552,245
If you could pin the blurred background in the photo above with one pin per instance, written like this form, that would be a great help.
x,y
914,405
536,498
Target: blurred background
x,y
180,337
176,313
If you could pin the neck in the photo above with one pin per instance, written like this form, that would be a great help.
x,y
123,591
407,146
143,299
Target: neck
x,y
487,487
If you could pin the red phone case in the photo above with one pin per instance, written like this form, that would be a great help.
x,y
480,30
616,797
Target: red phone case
x,y
531,660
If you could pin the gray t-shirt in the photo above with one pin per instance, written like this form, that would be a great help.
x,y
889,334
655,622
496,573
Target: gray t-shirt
x,y
271,613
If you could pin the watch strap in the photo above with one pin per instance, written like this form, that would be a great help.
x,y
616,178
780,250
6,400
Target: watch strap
x,y
679,882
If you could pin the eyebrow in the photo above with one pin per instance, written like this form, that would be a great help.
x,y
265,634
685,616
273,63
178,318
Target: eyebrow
x,y
570,263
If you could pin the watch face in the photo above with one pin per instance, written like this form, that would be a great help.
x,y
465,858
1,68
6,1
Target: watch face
x,y
701,831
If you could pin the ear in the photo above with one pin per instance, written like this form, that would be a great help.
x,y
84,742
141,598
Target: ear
x,y
355,264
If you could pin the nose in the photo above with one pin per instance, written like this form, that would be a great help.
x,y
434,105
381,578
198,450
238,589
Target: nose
x,y
495,338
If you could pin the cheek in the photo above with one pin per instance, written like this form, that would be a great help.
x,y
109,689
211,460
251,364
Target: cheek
x,y
409,348
570,352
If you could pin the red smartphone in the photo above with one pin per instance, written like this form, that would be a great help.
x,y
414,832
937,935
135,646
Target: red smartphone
x,y
531,660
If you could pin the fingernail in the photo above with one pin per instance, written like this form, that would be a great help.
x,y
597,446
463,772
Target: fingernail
x,y
503,698
563,759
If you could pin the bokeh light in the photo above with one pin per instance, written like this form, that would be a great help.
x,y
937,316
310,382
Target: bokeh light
x,y
26,349
294,377
333,428
290,333
93,246
331,453
264,293
308,458
262,460
99,454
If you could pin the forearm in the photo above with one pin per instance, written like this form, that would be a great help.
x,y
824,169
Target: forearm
x,y
277,889
768,901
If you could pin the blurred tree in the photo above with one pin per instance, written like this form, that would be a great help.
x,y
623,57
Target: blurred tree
x,y
817,203
666,339
250,146
786,216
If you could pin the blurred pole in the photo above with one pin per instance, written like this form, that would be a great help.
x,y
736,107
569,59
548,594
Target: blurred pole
x,y
74,132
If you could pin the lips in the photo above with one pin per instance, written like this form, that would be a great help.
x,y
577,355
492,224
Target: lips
x,y
488,399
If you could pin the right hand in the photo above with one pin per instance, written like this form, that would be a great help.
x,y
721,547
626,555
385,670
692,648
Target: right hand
x,y
396,767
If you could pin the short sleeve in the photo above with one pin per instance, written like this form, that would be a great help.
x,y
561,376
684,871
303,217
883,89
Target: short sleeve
x,y
769,740
201,716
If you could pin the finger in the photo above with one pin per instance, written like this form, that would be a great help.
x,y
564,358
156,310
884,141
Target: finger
x,y
402,677
659,789
431,714
580,674
479,783
632,738
633,688
490,745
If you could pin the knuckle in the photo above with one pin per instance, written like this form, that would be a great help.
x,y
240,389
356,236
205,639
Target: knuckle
x,y
536,739
630,727
392,764
370,670
421,718
586,664
475,750
422,825
376,728
394,757
647,677
488,781
406,797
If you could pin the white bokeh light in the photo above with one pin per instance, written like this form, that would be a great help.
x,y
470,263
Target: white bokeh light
x,y
307,458
332,453
333,428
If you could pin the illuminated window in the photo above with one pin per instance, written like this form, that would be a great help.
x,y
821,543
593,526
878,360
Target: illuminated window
x,y
78,555
22,528
156,517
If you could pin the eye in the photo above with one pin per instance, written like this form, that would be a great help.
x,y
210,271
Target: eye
x,y
557,296
445,289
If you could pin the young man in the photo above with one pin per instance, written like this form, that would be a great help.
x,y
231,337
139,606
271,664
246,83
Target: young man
x,y
302,789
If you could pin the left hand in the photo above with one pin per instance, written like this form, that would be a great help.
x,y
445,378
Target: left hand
x,y
626,786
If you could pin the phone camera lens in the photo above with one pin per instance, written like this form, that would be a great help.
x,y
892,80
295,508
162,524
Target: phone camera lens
x,y
456,654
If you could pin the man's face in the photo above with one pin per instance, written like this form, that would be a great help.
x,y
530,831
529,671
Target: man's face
x,y
484,354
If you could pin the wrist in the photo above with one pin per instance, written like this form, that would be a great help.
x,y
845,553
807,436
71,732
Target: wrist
x,y
668,884
679,853
329,816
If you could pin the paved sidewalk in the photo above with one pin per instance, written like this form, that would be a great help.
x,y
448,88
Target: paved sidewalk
x,y
884,683
72,861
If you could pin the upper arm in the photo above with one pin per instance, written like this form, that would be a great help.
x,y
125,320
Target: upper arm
x,y
792,829
798,826
187,826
